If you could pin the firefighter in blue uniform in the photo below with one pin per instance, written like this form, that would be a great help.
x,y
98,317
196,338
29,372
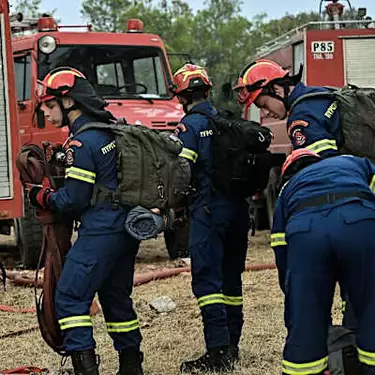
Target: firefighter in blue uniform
x,y
322,233
102,259
313,123
218,232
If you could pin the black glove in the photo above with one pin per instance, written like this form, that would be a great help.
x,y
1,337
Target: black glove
x,y
38,196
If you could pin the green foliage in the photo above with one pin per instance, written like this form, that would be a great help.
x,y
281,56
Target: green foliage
x,y
29,8
218,37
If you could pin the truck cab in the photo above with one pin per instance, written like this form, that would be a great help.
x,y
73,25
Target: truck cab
x,y
130,70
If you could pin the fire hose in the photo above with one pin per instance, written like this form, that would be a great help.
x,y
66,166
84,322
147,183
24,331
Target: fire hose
x,y
35,169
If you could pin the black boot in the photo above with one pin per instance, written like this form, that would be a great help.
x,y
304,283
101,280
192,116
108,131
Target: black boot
x,y
218,359
85,362
235,352
130,362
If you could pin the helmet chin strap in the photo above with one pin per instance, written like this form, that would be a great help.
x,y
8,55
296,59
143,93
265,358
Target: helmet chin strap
x,y
65,111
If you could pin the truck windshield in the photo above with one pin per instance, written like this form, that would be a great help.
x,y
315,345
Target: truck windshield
x,y
116,72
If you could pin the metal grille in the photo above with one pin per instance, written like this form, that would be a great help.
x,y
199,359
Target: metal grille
x,y
360,61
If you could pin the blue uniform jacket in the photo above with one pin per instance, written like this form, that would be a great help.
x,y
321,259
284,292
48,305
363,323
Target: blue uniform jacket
x,y
314,123
337,174
90,159
195,134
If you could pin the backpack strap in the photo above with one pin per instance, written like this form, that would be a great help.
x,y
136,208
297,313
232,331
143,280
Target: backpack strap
x,y
99,126
321,94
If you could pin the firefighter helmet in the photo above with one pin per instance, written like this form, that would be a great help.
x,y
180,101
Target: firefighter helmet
x,y
57,83
297,160
255,77
190,77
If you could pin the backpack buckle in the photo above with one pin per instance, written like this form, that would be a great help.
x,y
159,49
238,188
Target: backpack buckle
x,y
161,191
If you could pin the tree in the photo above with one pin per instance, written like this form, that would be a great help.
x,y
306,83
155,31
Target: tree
x,y
29,8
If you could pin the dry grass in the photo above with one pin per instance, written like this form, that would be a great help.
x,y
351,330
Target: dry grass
x,y
167,338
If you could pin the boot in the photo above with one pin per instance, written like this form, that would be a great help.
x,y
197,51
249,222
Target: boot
x,y
218,359
235,352
130,362
85,362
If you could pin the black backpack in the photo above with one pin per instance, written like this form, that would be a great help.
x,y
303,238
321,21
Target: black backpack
x,y
241,162
342,352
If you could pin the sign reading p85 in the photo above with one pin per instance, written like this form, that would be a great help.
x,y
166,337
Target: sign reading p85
x,y
322,46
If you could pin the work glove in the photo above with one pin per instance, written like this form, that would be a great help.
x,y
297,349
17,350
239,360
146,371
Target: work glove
x,y
38,196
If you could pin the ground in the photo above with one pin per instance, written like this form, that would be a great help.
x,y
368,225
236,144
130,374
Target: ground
x,y
167,338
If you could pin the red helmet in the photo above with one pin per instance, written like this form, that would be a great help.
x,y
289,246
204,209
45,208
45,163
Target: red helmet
x,y
190,77
295,156
254,77
57,83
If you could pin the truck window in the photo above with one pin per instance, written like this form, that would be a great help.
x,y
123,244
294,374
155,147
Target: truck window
x,y
22,68
110,74
116,71
148,71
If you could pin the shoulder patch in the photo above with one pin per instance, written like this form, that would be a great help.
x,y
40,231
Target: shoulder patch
x,y
299,136
69,157
76,143
295,123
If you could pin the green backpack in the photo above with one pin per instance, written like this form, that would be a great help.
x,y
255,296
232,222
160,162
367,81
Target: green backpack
x,y
150,171
357,117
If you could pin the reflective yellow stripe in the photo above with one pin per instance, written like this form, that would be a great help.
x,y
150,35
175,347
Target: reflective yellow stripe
x,y
343,306
189,154
308,368
233,301
123,326
210,299
278,239
75,321
372,184
80,174
368,358
323,145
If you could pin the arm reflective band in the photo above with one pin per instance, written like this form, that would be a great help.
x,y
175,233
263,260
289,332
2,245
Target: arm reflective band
x,y
372,184
323,145
80,174
189,154
278,239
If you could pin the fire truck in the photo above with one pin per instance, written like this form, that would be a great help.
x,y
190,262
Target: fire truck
x,y
10,187
334,52
130,70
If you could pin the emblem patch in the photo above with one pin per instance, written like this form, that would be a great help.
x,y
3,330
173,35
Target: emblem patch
x,y
299,137
69,160
295,123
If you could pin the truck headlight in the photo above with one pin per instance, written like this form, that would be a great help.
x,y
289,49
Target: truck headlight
x,y
47,44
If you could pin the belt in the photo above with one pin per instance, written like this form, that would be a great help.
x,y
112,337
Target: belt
x,y
331,198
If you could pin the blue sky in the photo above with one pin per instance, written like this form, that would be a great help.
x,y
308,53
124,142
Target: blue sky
x,y
69,10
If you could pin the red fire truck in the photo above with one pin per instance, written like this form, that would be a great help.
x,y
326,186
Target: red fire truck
x,y
333,53
10,188
129,70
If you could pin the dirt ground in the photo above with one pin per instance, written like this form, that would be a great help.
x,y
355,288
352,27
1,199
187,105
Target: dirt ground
x,y
167,338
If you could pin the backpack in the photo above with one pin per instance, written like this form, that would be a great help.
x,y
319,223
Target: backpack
x,y
150,172
342,351
357,118
241,162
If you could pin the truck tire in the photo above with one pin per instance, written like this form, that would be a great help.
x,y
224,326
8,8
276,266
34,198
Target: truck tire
x,y
28,233
177,242
271,193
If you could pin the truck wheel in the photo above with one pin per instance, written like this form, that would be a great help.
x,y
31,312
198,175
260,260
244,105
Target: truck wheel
x,y
28,232
177,242
271,193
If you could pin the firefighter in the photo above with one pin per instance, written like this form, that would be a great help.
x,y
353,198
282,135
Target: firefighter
x,y
218,231
313,123
102,259
322,233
